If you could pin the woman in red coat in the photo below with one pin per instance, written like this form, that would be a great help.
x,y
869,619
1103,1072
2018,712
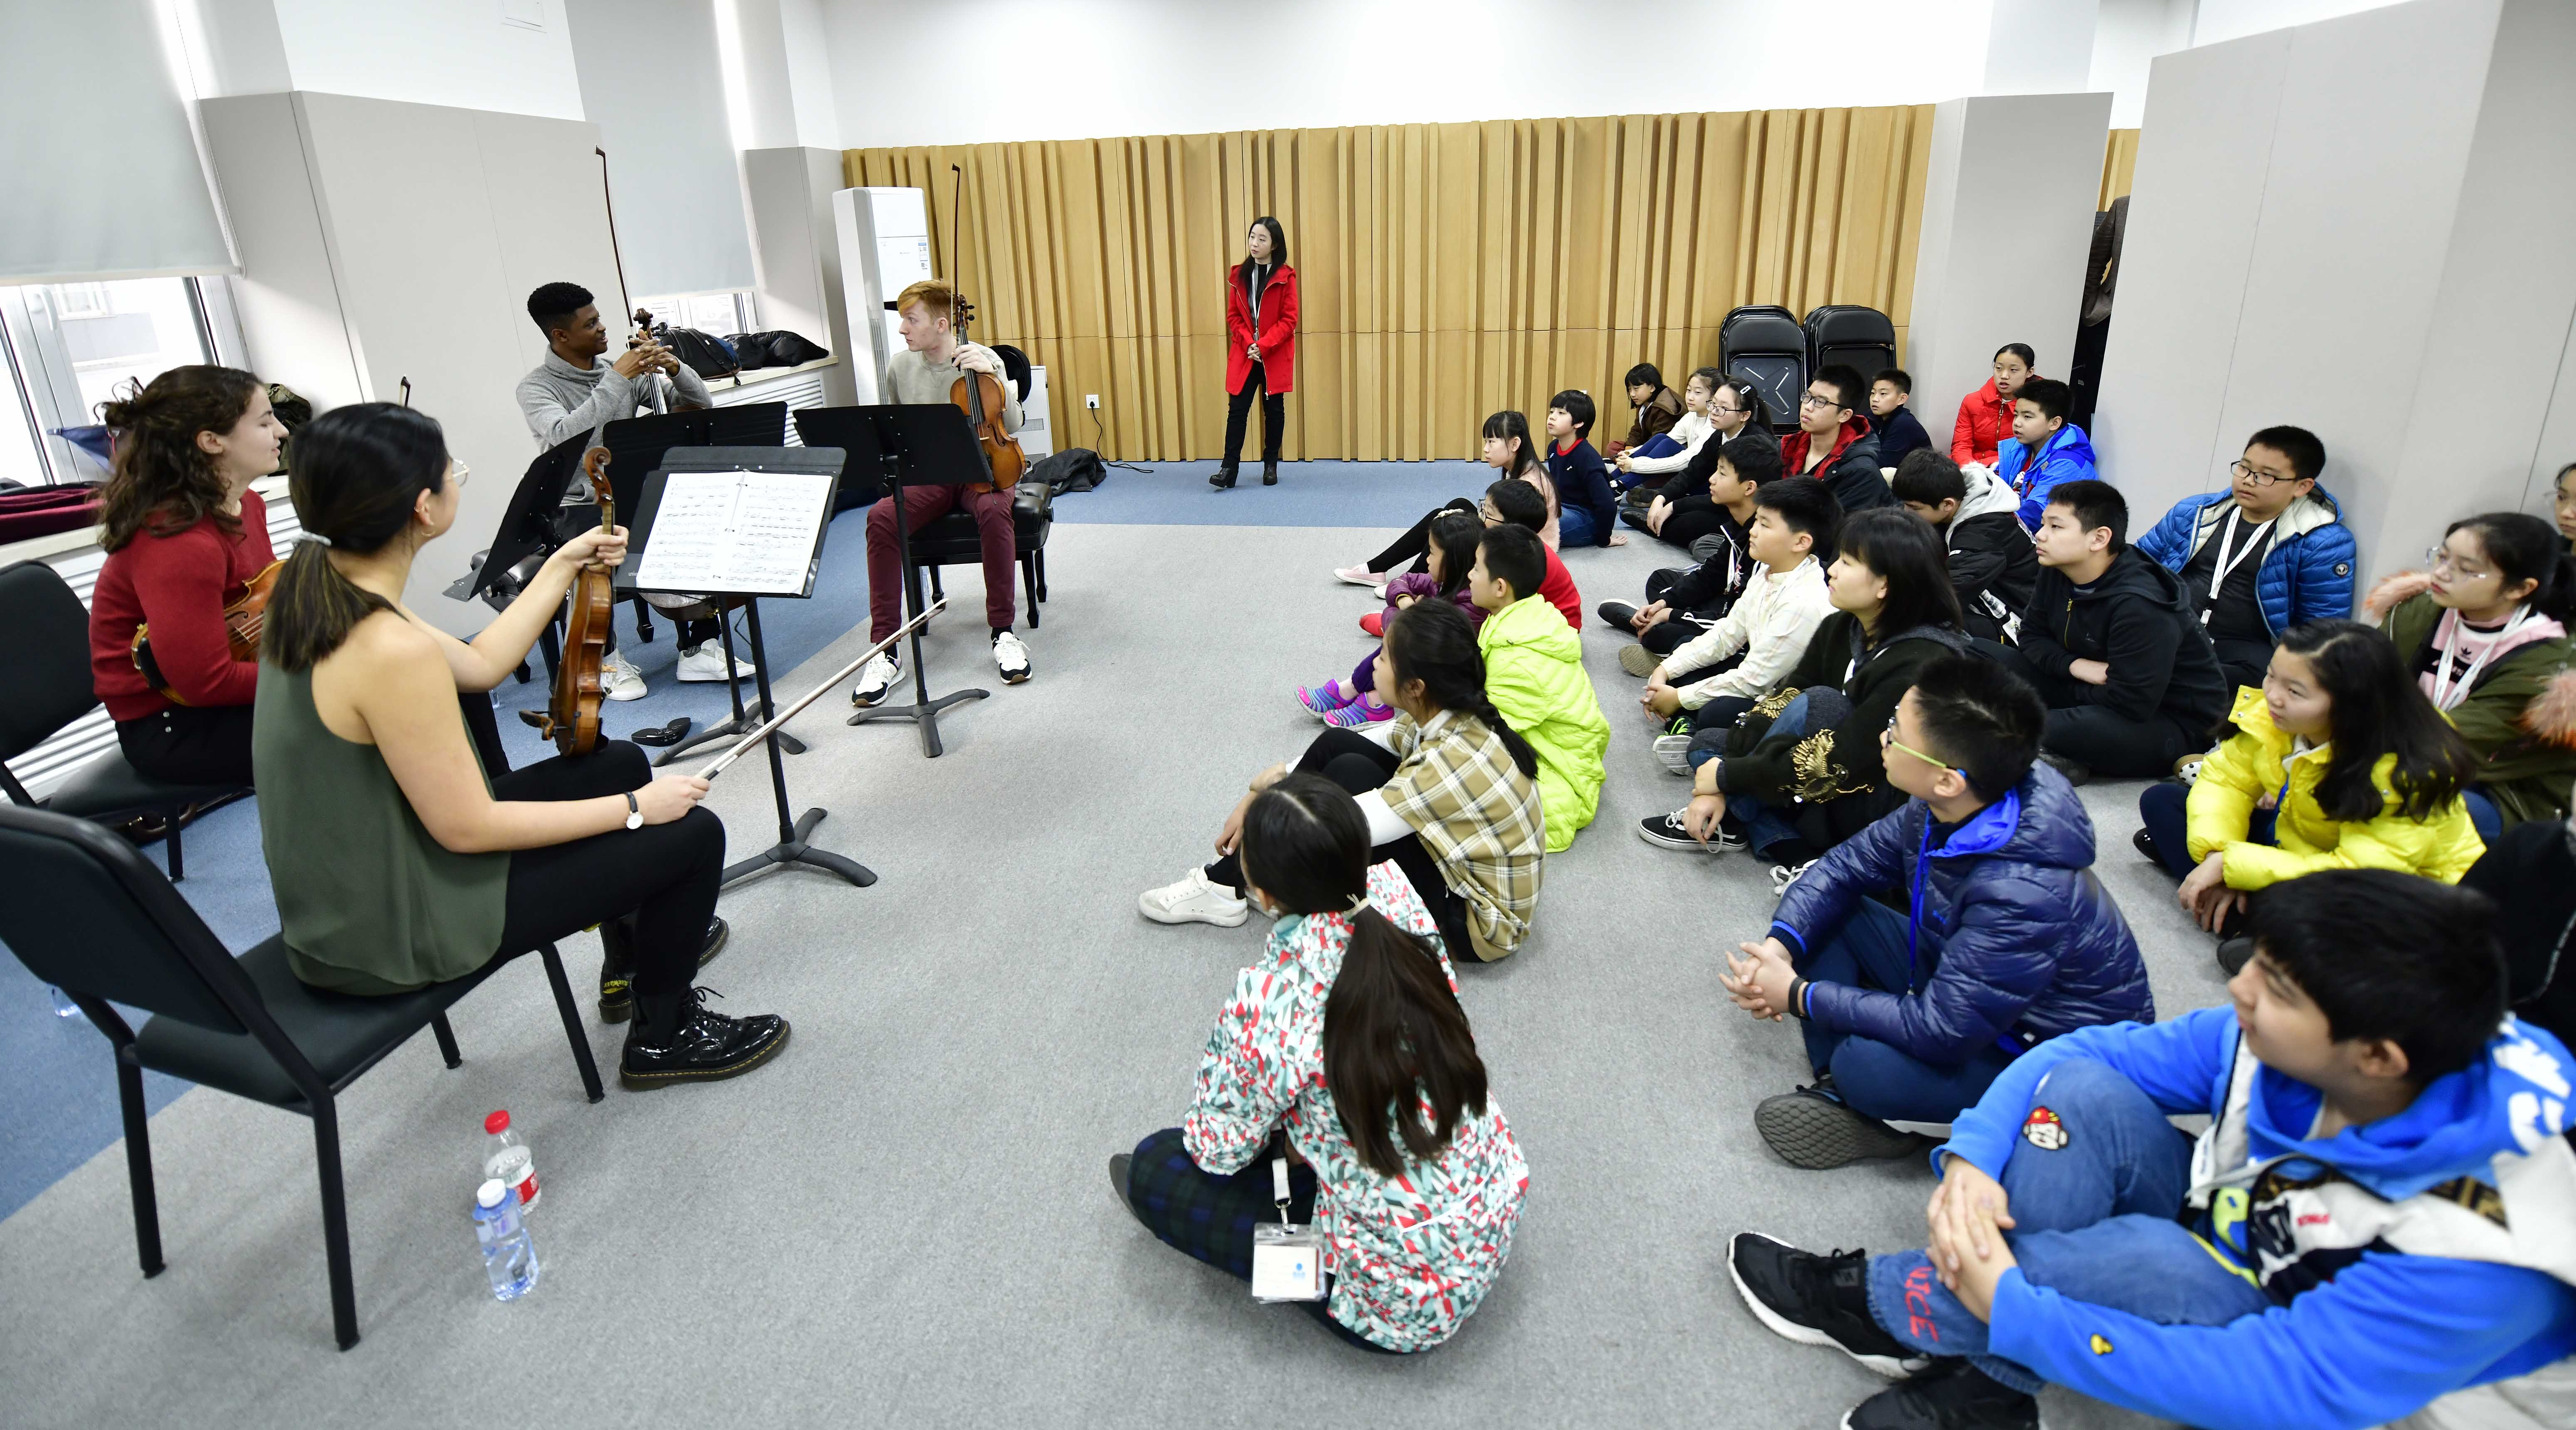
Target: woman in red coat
x,y
1986,415
1261,356
184,535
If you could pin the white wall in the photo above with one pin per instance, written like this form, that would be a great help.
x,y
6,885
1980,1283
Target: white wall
x,y
2218,21
2127,37
462,53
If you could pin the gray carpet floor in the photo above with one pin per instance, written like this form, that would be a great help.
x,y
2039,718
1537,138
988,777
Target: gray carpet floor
x,y
905,1219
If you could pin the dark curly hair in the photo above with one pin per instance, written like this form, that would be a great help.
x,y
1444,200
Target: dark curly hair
x,y
162,481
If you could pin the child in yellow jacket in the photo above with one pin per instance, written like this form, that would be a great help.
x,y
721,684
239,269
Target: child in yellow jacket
x,y
2338,762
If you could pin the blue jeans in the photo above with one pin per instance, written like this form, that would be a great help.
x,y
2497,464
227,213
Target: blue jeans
x,y
2094,1223
2164,810
2482,814
1878,1079
1764,826
1574,527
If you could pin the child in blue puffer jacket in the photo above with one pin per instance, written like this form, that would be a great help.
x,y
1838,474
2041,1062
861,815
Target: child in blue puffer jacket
x,y
2010,940
2379,1221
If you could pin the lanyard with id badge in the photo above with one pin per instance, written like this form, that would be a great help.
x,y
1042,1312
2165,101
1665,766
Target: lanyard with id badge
x,y
1287,1259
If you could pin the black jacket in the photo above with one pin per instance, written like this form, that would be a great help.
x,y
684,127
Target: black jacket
x,y
2530,872
1709,589
1898,433
1692,479
1994,568
1854,478
1832,781
2138,620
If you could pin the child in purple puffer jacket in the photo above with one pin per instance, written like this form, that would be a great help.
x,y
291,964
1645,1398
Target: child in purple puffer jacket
x,y
1352,703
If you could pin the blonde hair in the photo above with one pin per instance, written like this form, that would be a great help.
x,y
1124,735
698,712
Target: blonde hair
x,y
937,296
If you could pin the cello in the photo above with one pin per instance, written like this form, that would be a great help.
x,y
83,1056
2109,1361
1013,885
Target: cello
x,y
979,394
571,717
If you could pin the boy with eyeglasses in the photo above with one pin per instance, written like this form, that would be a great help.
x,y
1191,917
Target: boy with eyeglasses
x,y
1833,442
2268,553
2000,937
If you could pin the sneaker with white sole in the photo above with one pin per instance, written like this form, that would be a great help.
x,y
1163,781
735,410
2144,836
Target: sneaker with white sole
x,y
1670,749
1783,875
619,679
1668,831
1194,898
1010,657
1815,1129
1638,661
706,661
876,678
1816,1301
1360,576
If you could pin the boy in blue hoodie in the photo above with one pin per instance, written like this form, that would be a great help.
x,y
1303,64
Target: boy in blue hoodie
x,y
2381,1215
2046,448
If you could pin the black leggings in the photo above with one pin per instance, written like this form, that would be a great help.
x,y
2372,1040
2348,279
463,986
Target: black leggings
x,y
666,875
1274,418
190,745
1360,764
1415,544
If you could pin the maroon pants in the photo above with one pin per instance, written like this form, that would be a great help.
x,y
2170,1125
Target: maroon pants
x,y
922,506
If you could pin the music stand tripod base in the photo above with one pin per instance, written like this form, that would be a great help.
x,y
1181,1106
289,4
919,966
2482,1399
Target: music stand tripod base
x,y
796,849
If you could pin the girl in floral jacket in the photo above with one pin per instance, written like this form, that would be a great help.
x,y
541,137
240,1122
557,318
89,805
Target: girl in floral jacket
x,y
1412,1177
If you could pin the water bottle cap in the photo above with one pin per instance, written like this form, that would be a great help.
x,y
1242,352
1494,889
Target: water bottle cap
x,y
498,1122
491,1193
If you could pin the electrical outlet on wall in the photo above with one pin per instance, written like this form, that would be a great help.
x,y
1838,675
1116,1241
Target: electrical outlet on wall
x,y
1091,400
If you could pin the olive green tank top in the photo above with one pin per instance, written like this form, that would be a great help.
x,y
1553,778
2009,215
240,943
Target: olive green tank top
x,y
368,901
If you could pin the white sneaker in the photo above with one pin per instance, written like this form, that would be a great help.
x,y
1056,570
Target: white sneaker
x,y
619,679
1783,875
1194,899
1011,657
876,678
1670,749
706,661
1360,575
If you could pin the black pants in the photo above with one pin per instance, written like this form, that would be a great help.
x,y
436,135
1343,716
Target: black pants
x,y
2243,662
1668,635
1360,764
2097,738
664,875
1414,545
1691,518
1274,418
190,744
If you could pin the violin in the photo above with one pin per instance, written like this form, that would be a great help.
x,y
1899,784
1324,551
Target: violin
x,y
243,619
979,394
571,717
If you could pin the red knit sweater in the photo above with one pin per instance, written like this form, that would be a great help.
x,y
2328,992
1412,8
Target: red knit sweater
x,y
180,585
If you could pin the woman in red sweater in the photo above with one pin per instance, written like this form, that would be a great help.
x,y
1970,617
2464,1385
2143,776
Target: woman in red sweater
x,y
184,535
1261,347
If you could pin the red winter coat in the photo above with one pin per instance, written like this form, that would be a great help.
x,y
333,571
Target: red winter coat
x,y
1278,335
1985,420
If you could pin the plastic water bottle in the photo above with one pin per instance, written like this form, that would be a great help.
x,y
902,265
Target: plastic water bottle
x,y
509,1257
506,1159
64,1007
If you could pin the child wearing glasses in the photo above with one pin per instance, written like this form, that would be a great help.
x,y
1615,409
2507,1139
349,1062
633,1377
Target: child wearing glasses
x,y
1833,443
1999,937
2267,553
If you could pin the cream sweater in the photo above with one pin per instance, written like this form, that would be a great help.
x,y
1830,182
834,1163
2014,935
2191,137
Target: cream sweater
x,y
1771,623
1690,431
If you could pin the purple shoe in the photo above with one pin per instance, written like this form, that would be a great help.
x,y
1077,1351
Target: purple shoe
x,y
1323,699
1360,712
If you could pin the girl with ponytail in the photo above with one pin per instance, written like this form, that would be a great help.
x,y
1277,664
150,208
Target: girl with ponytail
x,y
1344,1048
2485,634
1507,449
397,860
185,536
1448,788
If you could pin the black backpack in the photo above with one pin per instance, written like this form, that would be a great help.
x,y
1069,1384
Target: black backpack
x,y
1076,469
705,353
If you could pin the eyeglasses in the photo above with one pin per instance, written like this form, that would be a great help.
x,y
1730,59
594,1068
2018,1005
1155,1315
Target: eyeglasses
x,y
2439,558
2256,475
1888,738
1815,399
457,471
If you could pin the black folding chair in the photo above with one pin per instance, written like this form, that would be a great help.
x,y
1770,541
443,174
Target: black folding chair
x,y
110,927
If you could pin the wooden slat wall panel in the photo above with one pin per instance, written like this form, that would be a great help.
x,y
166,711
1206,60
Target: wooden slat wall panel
x,y
1445,270
2119,166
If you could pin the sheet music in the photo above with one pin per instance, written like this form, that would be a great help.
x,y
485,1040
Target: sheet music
x,y
737,533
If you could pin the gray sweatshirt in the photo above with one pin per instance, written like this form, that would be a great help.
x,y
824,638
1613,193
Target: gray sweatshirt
x,y
912,379
561,401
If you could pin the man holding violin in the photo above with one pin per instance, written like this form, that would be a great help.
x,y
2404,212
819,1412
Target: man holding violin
x,y
930,364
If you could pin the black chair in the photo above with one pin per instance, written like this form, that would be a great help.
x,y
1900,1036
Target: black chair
x,y
1862,339
111,928
952,539
44,643
1765,346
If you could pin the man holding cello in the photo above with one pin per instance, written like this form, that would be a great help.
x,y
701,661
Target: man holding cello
x,y
930,364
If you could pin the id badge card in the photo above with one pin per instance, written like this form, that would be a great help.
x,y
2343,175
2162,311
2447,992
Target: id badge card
x,y
1287,1259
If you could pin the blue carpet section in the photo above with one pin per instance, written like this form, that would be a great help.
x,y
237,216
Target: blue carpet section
x,y
62,1107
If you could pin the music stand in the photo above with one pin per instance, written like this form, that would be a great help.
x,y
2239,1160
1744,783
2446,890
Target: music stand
x,y
795,832
636,444
921,445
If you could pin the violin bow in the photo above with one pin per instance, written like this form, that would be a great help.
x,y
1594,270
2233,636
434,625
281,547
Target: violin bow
x,y
717,766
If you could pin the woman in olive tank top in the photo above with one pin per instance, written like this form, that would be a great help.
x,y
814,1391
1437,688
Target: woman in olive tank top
x,y
396,861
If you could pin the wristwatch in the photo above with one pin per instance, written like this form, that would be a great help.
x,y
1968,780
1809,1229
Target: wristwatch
x,y
634,812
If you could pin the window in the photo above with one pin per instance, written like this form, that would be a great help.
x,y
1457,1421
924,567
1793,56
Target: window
x,y
73,346
723,314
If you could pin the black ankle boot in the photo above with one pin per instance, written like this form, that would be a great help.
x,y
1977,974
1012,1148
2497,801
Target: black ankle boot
x,y
1223,479
1270,474
675,1039
617,966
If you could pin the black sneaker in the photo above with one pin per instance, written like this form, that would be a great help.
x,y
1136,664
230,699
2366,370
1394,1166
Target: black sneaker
x,y
675,1039
1119,1163
2145,845
2234,954
1615,613
617,966
1816,1300
1952,1395
1814,1129
2076,773
1666,831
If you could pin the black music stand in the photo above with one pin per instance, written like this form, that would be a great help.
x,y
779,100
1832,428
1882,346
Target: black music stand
x,y
636,444
795,832
921,445
527,529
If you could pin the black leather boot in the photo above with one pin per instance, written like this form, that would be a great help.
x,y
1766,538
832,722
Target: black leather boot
x,y
675,1039
1223,479
1270,474
617,967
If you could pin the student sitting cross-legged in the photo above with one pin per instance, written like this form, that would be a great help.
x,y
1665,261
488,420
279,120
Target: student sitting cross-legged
x,y
1801,771
2338,762
1993,566
2374,1228
1683,602
1658,410
1534,677
1587,502
1354,702
2006,937
1833,443
2046,451
1345,1050
2264,555
2110,642
1450,791
1899,434
1704,684
1676,507
1654,461
1507,449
